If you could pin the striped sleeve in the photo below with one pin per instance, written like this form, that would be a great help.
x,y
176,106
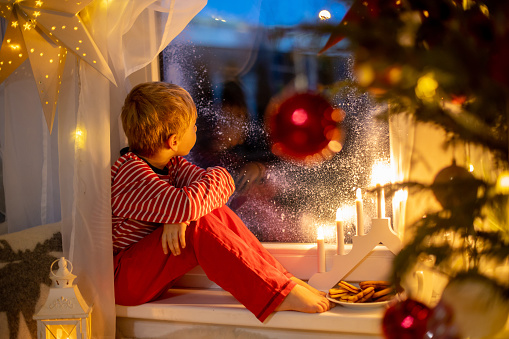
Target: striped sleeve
x,y
138,193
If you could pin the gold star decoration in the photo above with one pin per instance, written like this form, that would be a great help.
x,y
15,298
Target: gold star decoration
x,y
44,31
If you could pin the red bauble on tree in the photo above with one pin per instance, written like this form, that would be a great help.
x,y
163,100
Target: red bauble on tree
x,y
406,320
455,186
304,128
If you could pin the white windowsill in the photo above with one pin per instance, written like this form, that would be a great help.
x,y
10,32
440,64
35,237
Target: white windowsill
x,y
196,302
213,308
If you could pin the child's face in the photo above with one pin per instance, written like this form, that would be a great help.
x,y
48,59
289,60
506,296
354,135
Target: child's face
x,y
187,140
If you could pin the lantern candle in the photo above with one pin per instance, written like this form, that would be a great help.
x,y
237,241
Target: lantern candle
x,y
320,250
340,233
359,208
72,321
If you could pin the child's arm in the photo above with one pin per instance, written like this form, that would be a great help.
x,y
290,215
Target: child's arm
x,y
138,193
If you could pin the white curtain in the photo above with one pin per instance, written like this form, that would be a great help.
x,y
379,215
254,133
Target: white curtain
x,y
401,135
67,175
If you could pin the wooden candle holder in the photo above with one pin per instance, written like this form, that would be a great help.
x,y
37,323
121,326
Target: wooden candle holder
x,y
362,245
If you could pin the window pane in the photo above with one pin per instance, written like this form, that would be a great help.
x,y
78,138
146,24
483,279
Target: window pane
x,y
239,60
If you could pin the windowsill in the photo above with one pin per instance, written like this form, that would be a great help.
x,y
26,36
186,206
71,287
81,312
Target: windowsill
x,y
197,303
215,307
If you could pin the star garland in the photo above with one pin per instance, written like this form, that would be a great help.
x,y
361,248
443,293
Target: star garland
x,y
43,32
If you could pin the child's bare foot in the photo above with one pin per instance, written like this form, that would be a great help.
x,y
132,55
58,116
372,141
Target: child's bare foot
x,y
302,299
309,287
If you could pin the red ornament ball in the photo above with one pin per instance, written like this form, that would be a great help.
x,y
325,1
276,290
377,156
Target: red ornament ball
x,y
304,128
454,186
406,320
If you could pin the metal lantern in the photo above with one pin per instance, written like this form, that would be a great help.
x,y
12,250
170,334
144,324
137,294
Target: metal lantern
x,y
65,315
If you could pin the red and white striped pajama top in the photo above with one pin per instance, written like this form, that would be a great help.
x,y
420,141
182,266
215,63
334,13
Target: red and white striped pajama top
x,y
142,200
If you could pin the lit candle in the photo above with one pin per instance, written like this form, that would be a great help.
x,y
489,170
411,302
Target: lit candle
x,y
380,175
320,250
398,207
340,233
380,201
359,209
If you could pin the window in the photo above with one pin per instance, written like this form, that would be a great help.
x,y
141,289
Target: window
x,y
238,58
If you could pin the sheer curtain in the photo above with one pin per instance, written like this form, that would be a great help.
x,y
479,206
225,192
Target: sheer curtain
x,y
401,134
66,175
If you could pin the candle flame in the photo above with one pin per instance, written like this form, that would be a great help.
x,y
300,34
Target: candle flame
x,y
358,194
339,214
319,233
400,196
381,173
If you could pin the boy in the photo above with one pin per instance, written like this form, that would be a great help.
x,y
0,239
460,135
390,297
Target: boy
x,y
170,215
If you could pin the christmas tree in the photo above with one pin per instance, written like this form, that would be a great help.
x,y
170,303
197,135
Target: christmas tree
x,y
446,63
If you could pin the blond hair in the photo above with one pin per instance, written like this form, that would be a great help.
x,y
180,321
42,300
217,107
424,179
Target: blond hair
x,y
153,112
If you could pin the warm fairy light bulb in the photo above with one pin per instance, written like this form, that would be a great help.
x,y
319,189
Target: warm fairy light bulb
x,y
484,9
335,146
470,168
503,183
426,87
324,15
365,74
79,137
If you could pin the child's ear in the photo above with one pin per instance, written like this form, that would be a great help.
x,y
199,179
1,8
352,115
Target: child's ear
x,y
173,142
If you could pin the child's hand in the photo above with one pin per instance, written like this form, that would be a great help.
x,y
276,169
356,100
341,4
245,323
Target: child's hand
x,y
173,234
250,174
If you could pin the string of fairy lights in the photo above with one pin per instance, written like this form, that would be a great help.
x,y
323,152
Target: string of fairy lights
x,y
44,32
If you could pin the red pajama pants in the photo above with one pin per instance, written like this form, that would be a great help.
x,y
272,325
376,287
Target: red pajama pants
x,y
221,244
